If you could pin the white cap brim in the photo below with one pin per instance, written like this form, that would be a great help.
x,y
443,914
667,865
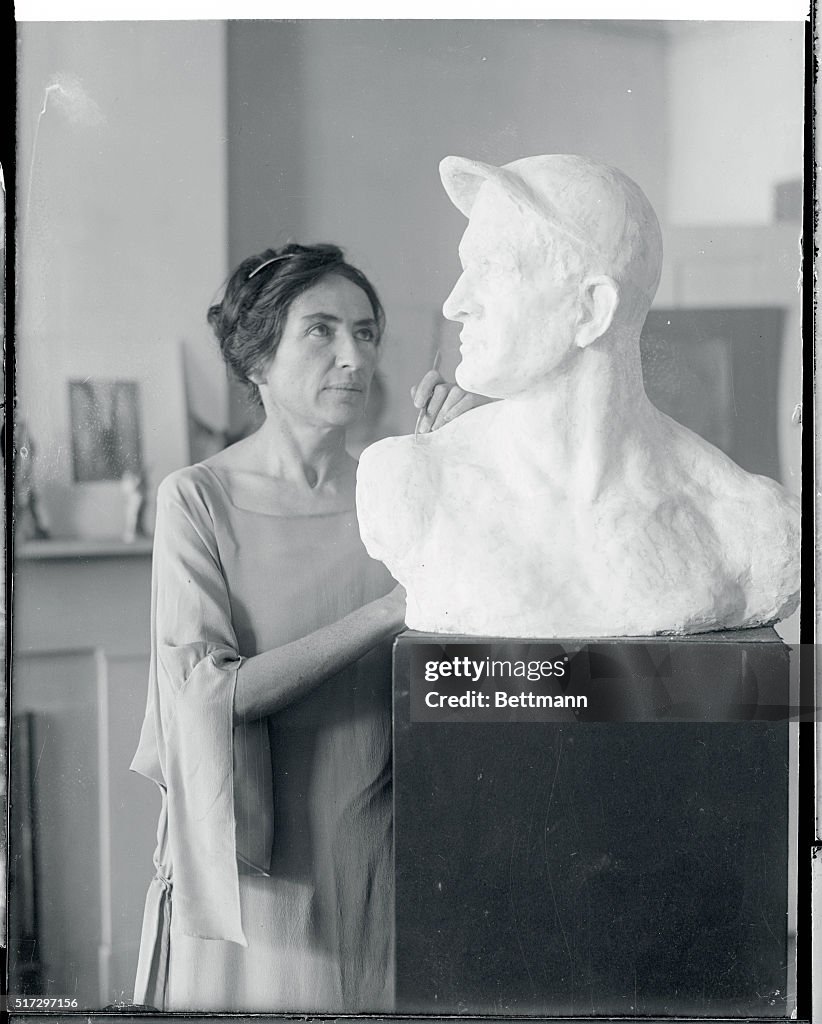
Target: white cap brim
x,y
462,179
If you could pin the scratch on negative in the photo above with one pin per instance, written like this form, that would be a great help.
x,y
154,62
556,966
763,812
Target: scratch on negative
x,y
547,860
767,923
514,910
39,759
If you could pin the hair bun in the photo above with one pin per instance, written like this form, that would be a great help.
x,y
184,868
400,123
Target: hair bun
x,y
216,322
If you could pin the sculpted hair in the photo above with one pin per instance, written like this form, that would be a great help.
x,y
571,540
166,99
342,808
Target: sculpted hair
x,y
249,320
567,260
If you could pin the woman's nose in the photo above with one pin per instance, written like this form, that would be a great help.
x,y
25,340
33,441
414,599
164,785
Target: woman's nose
x,y
459,305
348,352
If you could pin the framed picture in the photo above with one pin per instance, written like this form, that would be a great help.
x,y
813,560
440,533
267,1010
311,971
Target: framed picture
x,y
105,429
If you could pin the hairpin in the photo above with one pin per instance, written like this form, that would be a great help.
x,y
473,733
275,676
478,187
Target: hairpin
x,y
267,263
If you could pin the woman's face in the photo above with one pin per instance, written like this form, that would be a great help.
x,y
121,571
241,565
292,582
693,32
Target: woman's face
x,y
322,368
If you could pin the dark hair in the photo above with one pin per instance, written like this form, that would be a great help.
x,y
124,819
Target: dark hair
x,y
250,318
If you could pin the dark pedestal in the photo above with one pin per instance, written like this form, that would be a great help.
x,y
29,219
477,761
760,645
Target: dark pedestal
x,y
591,867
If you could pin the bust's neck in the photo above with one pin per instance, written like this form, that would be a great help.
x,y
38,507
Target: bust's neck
x,y
590,422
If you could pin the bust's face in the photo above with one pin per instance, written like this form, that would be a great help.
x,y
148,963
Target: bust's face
x,y
518,313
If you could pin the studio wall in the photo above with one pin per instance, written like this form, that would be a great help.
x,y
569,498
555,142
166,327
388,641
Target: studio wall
x,y
736,119
121,235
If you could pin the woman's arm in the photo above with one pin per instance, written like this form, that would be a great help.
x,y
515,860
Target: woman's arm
x,y
274,679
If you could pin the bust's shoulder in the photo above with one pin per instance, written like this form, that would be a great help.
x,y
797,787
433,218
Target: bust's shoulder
x,y
755,520
389,455
392,459
728,485
758,517
429,458
393,475
398,489
759,522
770,515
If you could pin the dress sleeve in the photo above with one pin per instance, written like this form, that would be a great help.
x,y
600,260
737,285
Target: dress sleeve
x,y
217,778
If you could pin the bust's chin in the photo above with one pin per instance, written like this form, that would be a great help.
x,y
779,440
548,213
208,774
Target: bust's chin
x,y
475,382
462,378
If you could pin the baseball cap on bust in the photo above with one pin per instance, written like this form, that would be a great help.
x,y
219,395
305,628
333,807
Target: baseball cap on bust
x,y
595,206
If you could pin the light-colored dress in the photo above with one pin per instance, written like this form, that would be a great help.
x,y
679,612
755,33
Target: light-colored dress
x,y
273,876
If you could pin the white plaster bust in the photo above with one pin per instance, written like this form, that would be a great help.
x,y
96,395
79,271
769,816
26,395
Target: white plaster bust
x,y
572,507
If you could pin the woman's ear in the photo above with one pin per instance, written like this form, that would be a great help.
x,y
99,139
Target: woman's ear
x,y
259,374
599,298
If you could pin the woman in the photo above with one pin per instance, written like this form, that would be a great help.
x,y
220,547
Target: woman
x,y
268,719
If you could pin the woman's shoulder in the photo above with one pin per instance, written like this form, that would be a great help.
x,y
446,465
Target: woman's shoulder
x,y
195,488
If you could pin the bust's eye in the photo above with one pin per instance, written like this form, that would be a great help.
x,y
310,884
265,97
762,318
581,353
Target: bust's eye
x,y
319,330
492,268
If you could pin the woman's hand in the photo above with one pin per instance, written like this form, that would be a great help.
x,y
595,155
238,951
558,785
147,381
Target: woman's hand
x,y
442,401
394,606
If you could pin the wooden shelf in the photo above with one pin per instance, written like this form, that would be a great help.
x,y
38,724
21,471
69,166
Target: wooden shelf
x,y
72,547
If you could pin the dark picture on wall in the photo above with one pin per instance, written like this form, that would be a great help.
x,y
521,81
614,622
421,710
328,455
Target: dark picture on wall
x,y
105,429
716,371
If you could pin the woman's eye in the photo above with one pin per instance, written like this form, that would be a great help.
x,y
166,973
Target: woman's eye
x,y
366,334
320,330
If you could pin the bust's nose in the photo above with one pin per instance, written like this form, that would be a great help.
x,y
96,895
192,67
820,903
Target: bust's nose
x,y
460,304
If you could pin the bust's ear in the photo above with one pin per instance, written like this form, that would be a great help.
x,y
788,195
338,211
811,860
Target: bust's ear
x,y
599,299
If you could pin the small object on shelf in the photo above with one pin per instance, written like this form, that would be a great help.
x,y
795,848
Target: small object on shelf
x,y
135,489
27,522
